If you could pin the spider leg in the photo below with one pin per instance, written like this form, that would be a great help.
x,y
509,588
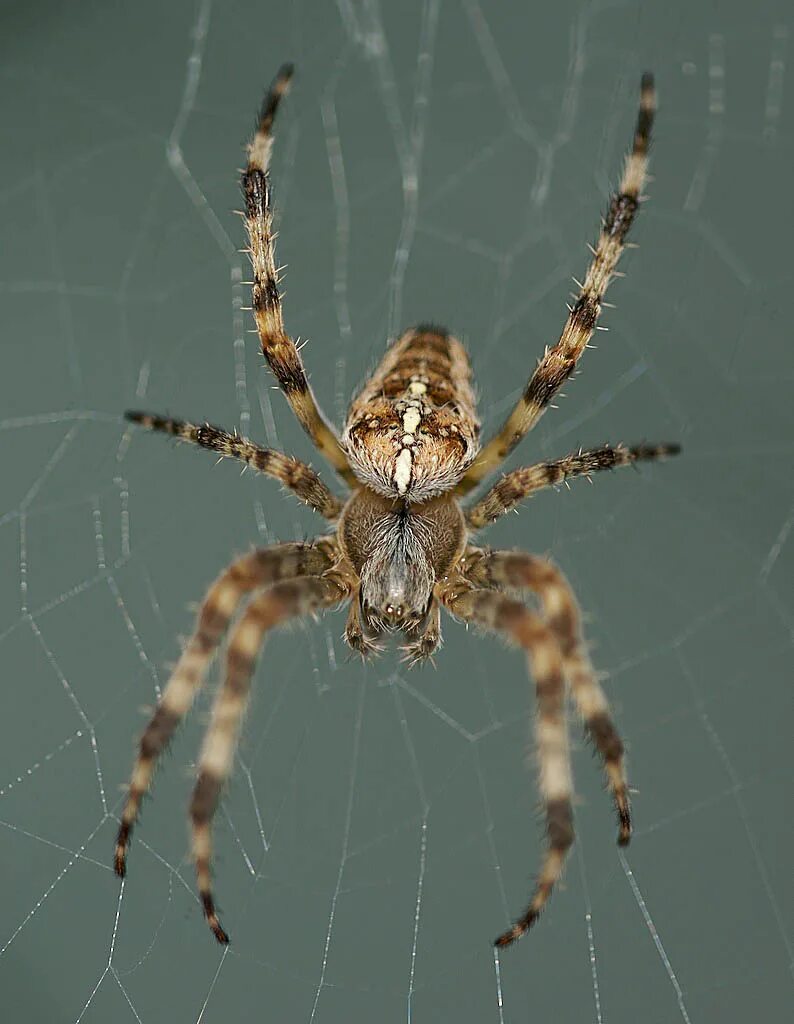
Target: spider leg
x,y
521,483
502,614
519,570
260,568
425,639
277,347
284,600
296,476
559,362
359,634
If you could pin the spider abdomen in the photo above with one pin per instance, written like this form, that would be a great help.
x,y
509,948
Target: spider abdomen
x,y
413,430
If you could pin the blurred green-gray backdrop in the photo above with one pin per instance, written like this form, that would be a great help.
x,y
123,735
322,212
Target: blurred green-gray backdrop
x,y
444,160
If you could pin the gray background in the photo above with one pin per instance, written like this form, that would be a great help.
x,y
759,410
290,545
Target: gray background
x,y
442,161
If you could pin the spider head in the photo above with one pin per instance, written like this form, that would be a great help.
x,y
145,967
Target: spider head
x,y
396,581
399,551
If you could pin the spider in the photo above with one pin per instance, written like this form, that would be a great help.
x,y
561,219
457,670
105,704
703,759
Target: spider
x,y
400,548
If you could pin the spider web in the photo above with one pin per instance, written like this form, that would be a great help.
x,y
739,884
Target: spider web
x,y
441,161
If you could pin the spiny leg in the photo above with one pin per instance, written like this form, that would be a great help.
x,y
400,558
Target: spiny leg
x,y
559,362
425,639
278,348
359,634
258,569
296,476
502,614
282,601
521,483
519,570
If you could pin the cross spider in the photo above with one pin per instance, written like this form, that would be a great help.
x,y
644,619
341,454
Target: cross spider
x,y
400,547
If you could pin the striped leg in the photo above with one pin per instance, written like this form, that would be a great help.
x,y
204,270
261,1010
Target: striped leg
x,y
260,568
278,348
502,614
521,483
559,362
520,570
296,476
282,601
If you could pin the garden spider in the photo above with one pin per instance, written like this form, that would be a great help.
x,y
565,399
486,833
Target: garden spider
x,y
400,549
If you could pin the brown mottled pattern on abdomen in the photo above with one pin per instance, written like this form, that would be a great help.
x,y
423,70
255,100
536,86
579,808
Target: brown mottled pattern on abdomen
x,y
431,356
412,431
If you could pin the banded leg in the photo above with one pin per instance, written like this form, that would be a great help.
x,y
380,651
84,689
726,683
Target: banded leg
x,y
278,348
282,601
519,570
559,362
502,614
296,476
260,568
521,483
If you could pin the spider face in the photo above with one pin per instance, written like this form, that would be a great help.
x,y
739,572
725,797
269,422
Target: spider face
x,y
396,578
399,551
401,545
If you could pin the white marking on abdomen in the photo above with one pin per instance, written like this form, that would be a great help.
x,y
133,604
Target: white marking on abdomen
x,y
403,465
412,417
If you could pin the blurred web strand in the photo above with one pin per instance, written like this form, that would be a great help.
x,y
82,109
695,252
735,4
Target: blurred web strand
x,y
736,792
183,174
419,889
716,124
546,149
657,941
777,547
345,847
336,164
774,92
590,931
409,142
49,237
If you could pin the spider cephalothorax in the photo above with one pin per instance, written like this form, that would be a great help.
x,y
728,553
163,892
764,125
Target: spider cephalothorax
x,y
401,546
398,551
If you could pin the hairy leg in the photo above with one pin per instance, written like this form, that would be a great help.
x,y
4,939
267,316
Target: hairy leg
x,y
359,635
285,600
519,570
424,641
260,568
558,363
296,476
502,614
521,483
278,348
